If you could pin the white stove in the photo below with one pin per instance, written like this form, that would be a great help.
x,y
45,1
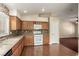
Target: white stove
x,y
38,37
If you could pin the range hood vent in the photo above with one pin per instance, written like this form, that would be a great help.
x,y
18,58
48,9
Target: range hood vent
x,y
44,15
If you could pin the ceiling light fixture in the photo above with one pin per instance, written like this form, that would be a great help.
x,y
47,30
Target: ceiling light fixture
x,y
25,11
77,20
43,9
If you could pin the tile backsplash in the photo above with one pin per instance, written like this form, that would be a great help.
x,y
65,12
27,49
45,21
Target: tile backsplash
x,y
16,32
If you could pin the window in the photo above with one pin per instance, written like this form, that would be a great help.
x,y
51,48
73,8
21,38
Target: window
x,y
4,24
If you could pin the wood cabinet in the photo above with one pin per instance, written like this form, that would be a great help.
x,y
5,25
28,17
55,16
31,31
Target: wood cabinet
x,y
44,25
45,39
15,23
19,24
15,53
18,47
29,40
27,25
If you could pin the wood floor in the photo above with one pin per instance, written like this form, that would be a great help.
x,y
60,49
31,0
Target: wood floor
x,y
48,50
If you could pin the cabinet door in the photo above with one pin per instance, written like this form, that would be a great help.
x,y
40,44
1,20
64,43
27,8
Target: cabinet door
x,y
20,49
13,23
30,25
17,49
45,25
45,39
29,40
16,52
27,25
24,25
18,23
22,44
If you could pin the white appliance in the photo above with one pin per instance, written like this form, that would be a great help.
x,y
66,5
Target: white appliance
x,y
37,26
38,37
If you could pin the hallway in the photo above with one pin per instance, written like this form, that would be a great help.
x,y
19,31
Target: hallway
x,y
48,50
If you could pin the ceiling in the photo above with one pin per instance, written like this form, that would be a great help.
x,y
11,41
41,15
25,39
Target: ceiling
x,y
56,9
66,11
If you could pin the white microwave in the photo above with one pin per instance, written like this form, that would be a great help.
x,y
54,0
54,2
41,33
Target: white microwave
x,y
37,26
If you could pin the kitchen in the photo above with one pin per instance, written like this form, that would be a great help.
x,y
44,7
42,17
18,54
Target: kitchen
x,y
25,31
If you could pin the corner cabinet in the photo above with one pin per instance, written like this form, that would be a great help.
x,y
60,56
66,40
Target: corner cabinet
x,y
15,23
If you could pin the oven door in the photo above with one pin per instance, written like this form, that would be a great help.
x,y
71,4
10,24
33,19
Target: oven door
x,y
38,39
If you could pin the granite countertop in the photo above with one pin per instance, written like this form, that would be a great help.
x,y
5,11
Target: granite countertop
x,y
7,44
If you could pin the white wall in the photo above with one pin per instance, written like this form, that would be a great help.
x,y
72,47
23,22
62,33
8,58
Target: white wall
x,y
13,12
34,18
76,29
78,20
67,29
54,30
61,29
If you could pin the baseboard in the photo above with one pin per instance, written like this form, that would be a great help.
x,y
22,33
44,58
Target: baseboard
x,y
69,38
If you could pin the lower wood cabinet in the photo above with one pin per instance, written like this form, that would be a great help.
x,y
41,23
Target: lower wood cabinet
x,y
20,49
45,39
16,52
29,40
17,49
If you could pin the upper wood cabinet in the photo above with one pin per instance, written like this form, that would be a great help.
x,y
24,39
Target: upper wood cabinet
x,y
15,23
27,25
44,25
19,24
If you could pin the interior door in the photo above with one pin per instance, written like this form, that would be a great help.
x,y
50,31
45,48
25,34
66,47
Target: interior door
x,y
54,30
